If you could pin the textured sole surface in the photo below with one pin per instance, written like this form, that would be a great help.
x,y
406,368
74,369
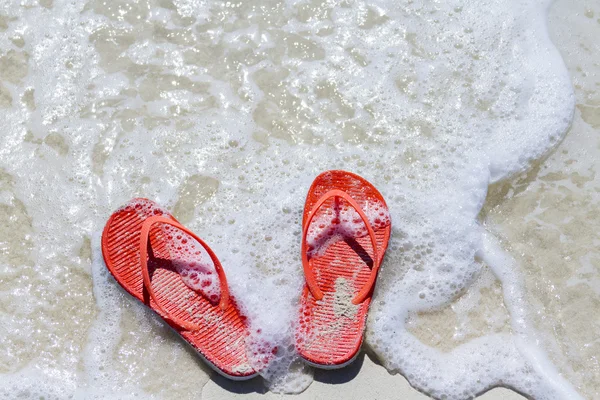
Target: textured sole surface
x,y
221,338
330,331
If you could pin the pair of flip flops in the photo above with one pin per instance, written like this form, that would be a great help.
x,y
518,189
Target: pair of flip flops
x,y
346,228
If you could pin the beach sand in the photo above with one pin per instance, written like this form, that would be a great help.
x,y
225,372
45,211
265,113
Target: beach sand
x,y
365,379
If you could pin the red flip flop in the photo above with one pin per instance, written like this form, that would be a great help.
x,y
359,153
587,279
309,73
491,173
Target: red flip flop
x,y
172,271
345,232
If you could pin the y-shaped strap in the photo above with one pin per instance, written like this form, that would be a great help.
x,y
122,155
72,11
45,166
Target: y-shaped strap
x,y
144,237
308,273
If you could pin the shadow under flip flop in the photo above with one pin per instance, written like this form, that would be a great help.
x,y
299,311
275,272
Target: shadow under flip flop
x,y
342,375
255,385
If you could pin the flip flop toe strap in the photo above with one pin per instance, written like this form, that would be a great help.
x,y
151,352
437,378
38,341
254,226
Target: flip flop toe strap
x,y
144,243
308,272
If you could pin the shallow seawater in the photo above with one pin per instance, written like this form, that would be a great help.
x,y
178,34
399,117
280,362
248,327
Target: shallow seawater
x,y
224,112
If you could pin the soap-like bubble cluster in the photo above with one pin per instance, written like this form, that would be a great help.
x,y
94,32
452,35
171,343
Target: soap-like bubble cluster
x,y
193,263
143,207
343,221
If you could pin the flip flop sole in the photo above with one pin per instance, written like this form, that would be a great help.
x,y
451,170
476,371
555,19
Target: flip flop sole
x,y
220,339
330,330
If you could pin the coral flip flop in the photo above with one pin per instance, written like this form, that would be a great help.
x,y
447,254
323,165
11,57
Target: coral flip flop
x,y
172,271
345,232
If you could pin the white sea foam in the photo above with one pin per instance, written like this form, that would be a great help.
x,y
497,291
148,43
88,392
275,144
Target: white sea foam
x,y
226,111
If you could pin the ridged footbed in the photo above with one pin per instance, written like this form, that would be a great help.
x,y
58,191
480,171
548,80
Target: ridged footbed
x,y
221,339
323,338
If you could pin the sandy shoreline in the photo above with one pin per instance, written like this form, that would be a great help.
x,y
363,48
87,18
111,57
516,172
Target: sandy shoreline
x,y
365,379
